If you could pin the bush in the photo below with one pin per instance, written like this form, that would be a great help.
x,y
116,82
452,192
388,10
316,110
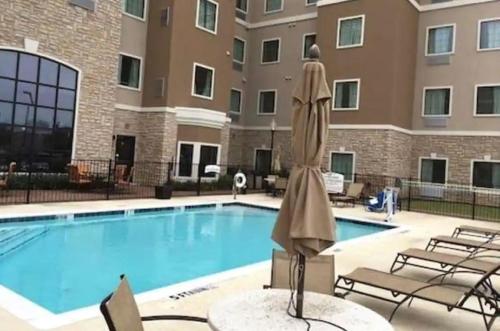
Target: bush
x,y
223,183
39,181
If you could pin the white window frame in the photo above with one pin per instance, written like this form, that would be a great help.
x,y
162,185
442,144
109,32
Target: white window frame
x,y
141,70
339,24
353,171
196,159
216,17
479,49
273,11
429,28
244,50
244,11
241,101
193,89
334,94
472,172
311,4
304,36
476,90
144,11
262,51
427,88
275,102
421,158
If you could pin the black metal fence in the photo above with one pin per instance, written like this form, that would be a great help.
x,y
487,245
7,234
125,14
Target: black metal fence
x,y
87,180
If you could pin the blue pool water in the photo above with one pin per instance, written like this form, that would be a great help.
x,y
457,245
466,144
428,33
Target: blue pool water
x,y
75,264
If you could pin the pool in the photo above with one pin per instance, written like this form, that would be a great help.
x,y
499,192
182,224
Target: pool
x,y
63,265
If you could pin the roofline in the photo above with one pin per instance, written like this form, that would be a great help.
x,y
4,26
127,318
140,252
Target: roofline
x,y
419,7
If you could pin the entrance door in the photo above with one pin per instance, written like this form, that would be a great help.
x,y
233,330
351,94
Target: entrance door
x,y
262,161
125,150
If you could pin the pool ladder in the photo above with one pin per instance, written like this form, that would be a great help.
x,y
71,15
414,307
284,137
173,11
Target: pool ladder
x,y
14,238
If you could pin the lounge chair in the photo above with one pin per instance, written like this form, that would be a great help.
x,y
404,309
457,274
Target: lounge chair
x,y
121,313
353,193
452,296
474,231
4,183
79,174
446,262
319,276
463,245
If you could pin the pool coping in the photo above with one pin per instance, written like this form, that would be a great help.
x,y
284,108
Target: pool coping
x,y
44,319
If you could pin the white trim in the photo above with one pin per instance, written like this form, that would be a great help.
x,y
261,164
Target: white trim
x,y
144,109
419,7
421,158
241,101
261,149
193,90
450,106
353,170
243,23
348,18
216,17
201,117
275,10
369,127
144,12
472,170
457,133
244,50
476,89
304,36
195,161
479,49
275,102
334,94
141,69
433,27
278,21
262,50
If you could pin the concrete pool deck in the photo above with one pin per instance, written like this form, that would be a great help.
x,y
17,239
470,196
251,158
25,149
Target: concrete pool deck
x,y
376,253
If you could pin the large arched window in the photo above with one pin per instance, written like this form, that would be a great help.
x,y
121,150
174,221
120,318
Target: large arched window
x,y
37,111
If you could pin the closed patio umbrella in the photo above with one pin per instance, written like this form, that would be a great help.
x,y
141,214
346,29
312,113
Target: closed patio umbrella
x,y
305,223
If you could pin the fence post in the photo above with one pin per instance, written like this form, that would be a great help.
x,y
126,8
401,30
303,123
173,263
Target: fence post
x,y
198,185
28,193
108,184
409,195
474,204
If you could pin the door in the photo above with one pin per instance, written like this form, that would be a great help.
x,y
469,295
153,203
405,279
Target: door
x,y
208,156
125,150
262,161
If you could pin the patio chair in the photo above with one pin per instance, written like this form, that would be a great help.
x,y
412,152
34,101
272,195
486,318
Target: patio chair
x,y
121,313
452,296
280,186
474,231
4,183
463,245
79,174
353,193
319,276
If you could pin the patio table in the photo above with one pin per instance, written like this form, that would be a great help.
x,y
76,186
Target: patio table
x,y
266,310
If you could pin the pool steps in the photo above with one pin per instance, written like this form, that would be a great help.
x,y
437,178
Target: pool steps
x,y
13,239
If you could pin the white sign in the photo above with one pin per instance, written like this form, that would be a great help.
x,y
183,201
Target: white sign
x,y
212,168
334,182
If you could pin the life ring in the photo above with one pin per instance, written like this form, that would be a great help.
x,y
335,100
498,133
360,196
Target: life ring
x,y
240,180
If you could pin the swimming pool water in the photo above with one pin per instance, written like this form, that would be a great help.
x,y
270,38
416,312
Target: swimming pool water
x,y
75,264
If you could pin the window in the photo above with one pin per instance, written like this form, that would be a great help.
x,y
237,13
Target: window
x,y
311,2
350,31
488,100
346,96
433,170
343,163
309,40
242,5
489,34
134,8
273,6
206,15
486,174
37,110
271,51
440,40
203,81
239,50
193,157
267,102
130,71
437,101
235,102
263,159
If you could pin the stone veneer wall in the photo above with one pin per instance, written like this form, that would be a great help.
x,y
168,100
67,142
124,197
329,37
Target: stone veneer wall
x,y
87,40
459,150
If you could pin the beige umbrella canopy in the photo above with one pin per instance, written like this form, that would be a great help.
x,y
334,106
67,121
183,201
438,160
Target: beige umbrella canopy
x,y
277,161
305,223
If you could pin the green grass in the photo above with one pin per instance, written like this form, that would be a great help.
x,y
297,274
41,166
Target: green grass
x,y
455,209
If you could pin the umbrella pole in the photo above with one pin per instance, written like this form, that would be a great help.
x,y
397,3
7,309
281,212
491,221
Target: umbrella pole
x,y
300,286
